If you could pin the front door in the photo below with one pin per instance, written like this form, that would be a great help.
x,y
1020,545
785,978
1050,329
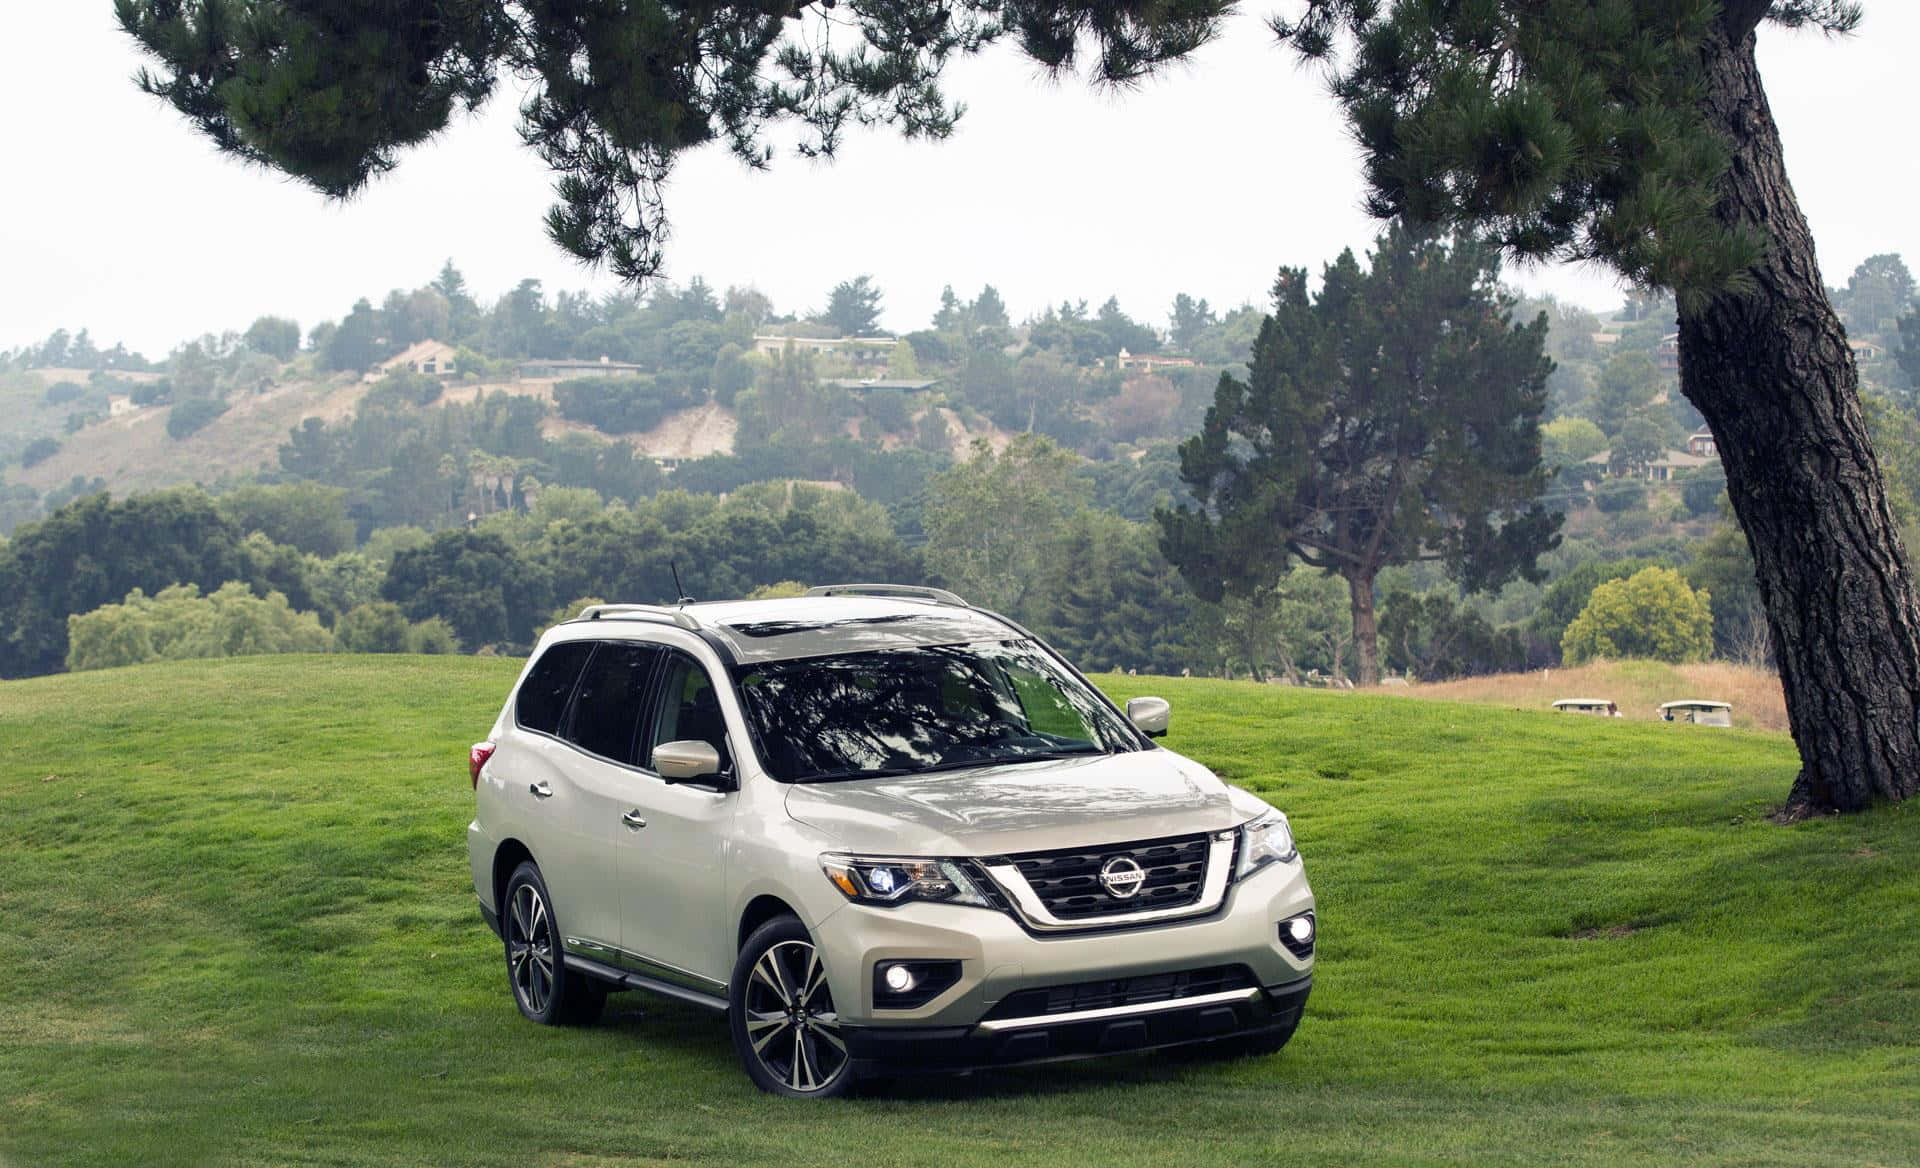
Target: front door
x,y
673,862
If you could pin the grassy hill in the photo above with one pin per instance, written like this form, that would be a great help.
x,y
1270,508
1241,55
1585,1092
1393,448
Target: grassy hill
x,y
236,929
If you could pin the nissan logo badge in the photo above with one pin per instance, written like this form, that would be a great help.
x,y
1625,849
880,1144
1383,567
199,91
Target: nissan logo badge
x,y
1121,877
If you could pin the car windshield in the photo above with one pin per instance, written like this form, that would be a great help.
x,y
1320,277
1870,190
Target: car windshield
x,y
910,711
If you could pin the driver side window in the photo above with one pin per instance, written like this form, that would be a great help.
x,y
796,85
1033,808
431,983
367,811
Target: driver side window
x,y
689,709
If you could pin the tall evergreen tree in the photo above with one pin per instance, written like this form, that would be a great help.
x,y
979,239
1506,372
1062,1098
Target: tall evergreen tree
x,y
853,308
1394,418
1637,133
989,311
358,342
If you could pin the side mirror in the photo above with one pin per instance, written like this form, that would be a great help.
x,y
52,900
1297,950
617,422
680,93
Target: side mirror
x,y
686,760
1149,715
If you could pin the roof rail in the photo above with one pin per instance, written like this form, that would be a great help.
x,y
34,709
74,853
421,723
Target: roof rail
x,y
900,591
673,616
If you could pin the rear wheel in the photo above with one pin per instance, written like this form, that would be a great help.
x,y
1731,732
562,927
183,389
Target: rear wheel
x,y
781,1011
543,987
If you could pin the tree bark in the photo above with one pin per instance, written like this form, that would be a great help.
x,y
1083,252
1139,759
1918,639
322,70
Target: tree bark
x,y
1366,633
1769,368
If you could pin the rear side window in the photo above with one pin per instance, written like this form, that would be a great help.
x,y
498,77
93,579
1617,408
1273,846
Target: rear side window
x,y
543,696
614,691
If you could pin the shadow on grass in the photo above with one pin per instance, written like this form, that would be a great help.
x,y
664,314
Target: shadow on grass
x,y
701,1035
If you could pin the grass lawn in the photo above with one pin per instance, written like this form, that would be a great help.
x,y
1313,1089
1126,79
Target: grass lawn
x,y
236,928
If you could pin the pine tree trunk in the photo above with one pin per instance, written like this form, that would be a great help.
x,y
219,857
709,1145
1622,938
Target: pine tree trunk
x,y
1366,634
1770,370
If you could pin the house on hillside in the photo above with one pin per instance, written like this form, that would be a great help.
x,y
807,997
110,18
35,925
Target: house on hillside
x,y
1701,442
118,404
1668,353
1151,362
567,367
1663,469
432,358
860,349
1865,351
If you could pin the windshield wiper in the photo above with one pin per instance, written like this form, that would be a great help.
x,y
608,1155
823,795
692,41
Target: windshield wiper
x,y
958,764
1051,755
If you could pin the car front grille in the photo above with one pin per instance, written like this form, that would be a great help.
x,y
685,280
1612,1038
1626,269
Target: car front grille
x,y
1068,882
1125,991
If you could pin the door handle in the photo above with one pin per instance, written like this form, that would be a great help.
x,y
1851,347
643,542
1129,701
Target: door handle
x,y
632,819
540,790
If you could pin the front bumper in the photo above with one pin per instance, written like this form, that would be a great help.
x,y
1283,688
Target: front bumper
x,y
1260,1012
999,959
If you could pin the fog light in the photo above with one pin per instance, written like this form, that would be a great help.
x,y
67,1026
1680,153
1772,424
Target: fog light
x,y
908,985
1298,934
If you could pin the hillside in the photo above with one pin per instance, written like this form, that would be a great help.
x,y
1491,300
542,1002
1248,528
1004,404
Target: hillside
x,y
133,452
236,918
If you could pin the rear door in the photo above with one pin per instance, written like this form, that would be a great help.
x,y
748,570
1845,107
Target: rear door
x,y
602,732
538,803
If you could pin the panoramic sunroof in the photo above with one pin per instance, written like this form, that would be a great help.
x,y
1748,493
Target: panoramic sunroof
x,y
782,628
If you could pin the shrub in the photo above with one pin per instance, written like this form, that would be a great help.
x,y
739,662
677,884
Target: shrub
x,y
193,415
432,635
1652,613
379,627
1702,491
153,393
623,405
178,623
404,388
1617,495
39,450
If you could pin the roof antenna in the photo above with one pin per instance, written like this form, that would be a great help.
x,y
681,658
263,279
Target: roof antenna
x,y
678,590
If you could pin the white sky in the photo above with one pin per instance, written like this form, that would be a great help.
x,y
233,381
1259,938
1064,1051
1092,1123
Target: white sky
x,y
115,216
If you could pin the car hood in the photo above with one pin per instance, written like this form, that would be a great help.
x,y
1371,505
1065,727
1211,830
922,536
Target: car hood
x,y
1023,807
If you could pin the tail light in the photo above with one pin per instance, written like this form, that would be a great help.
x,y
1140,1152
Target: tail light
x,y
477,756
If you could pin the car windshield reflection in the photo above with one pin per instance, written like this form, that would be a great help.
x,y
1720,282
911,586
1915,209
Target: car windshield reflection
x,y
909,711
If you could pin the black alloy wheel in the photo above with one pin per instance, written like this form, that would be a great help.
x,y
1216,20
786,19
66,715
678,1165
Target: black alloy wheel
x,y
781,1011
544,989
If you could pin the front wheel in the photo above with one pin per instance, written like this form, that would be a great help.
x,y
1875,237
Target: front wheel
x,y
782,1015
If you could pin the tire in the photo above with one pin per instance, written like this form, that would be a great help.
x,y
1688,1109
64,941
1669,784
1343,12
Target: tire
x,y
781,1013
543,987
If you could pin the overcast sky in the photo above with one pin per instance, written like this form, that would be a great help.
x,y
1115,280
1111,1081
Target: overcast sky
x,y
119,218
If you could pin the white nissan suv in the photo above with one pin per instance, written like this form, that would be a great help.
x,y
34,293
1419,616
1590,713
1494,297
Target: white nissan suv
x,y
879,829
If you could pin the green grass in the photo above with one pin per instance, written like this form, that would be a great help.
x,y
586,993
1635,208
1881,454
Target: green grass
x,y
236,928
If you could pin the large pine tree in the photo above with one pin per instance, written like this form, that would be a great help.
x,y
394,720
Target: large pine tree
x,y
1393,418
1636,133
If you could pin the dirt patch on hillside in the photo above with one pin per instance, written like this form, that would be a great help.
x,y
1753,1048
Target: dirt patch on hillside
x,y
1637,687
690,433
133,452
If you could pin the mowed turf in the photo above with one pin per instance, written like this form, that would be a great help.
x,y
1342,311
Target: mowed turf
x,y
236,928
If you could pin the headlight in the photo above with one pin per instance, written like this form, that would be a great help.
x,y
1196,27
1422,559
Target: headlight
x,y
1267,840
878,880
